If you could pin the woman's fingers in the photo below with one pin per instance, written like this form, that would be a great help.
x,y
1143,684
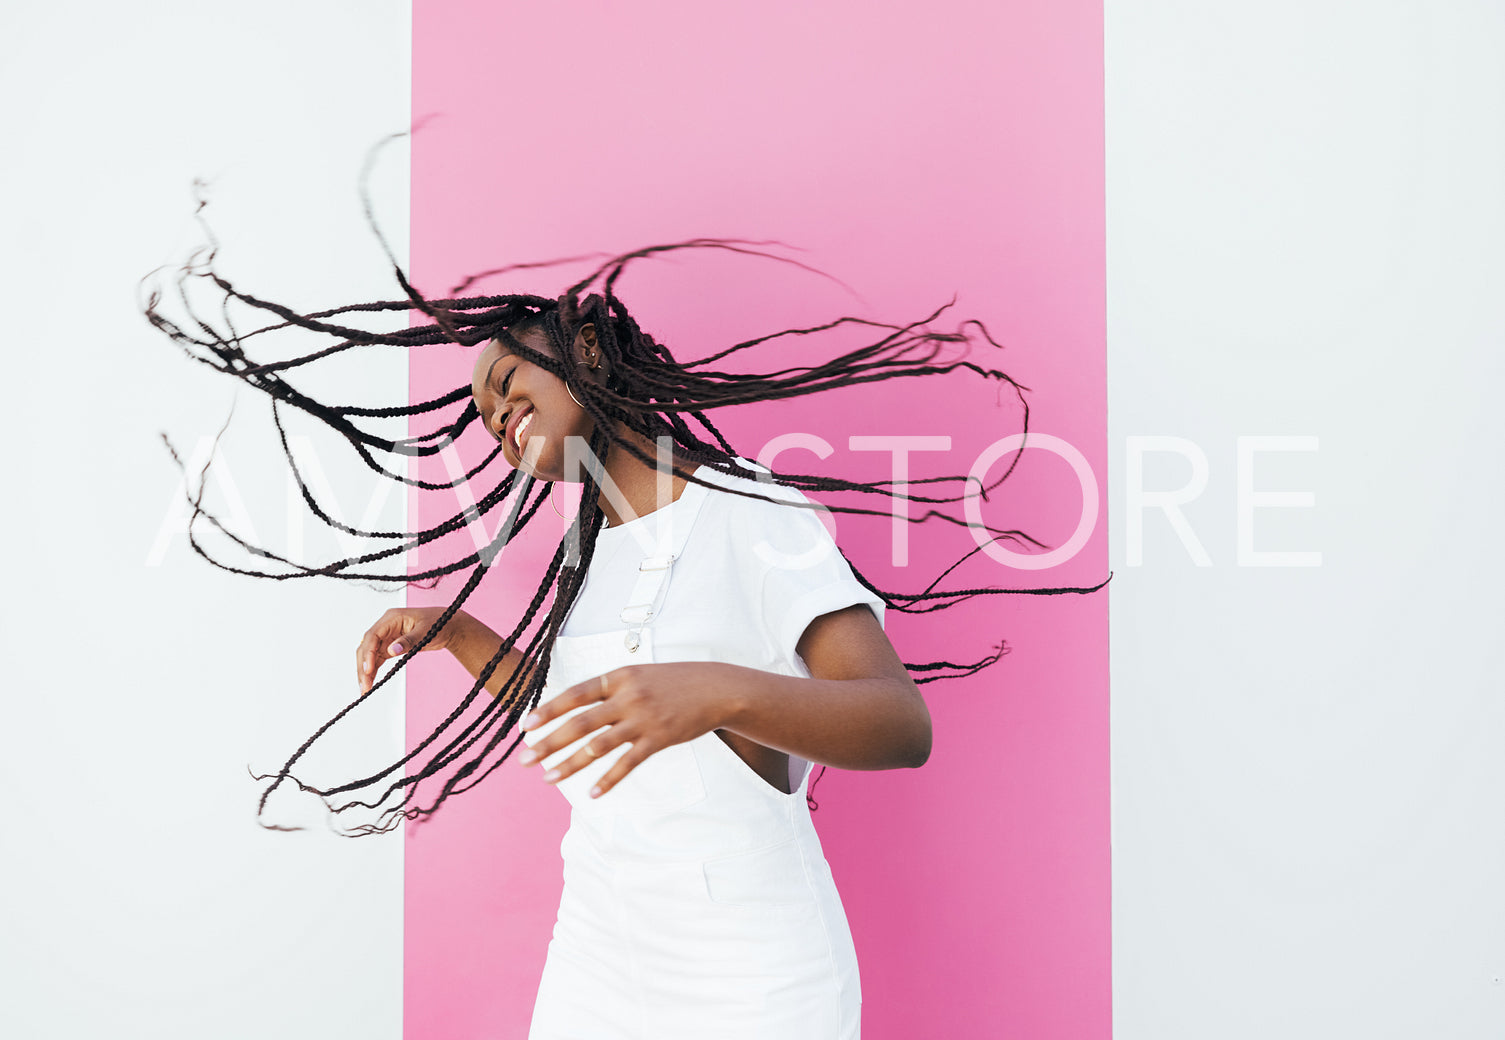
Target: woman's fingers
x,y
598,746
365,660
372,655
631,758
386,639
589,692
582,725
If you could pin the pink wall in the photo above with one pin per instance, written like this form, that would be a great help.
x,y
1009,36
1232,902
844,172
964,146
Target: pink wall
x,y
916,151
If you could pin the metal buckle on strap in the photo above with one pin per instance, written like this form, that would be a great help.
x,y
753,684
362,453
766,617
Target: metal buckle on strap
x,y
639,614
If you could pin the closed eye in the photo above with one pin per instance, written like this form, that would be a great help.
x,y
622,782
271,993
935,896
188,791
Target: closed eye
x,y
498,433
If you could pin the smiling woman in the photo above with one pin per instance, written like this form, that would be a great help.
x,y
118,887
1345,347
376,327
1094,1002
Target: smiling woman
x,y
681,721
509,411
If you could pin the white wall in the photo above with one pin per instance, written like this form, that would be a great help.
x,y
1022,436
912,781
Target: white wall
x,y
1306,211
139,897
1305,228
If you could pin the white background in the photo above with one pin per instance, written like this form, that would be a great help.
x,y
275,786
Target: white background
x,y
140,899
1306,238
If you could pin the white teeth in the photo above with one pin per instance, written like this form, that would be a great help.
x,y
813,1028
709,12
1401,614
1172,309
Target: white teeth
x,y
522,429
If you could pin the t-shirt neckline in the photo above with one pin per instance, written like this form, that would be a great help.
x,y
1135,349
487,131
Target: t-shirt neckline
x,y
628,526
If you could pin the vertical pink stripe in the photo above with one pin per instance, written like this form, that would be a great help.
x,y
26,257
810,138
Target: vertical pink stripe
x,y
916,152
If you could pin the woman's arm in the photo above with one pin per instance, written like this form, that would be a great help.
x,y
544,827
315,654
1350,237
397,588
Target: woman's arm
x,y
859,709
473,644
469,640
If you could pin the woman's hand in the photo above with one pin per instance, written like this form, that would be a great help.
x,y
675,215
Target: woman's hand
x,y
650,706
859,709
394,632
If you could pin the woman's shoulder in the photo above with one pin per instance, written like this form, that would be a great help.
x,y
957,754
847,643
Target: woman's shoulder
x,y
770,525
755,494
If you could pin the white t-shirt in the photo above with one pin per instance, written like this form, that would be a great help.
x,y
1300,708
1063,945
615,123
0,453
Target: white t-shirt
x,y
751,578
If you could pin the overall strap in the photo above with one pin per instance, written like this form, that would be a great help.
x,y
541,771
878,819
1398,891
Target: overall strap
x,y
647,596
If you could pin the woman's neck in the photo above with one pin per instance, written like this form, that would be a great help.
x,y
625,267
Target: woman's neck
x,y
640,488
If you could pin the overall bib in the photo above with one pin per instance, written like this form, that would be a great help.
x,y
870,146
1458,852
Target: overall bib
x,y
697,902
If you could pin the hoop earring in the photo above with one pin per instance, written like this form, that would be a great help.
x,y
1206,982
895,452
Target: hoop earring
x,y
556,508
578,364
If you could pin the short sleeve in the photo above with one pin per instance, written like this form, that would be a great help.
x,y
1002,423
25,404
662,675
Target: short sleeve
x,y
802,574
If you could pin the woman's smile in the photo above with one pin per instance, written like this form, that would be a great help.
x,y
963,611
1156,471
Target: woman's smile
x,y
517,428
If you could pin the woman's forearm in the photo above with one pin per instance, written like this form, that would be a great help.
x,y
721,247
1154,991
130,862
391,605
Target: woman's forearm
x,y
872,721
473,644
868,723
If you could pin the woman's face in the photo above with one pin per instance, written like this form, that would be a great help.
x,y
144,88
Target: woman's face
x,y
527,408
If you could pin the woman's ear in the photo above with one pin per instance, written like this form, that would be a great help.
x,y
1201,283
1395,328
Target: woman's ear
x,y
589,355
587,351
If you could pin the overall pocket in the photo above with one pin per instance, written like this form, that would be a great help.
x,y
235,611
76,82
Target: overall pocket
x,y
768,878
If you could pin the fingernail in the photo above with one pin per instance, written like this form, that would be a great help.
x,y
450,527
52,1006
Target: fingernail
x,y
530,722
595,792
527,758
395,648
551,775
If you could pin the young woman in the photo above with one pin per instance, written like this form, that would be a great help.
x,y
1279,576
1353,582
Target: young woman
x,y
705,644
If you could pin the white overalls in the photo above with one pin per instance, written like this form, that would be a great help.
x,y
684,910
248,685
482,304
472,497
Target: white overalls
x,y
697,903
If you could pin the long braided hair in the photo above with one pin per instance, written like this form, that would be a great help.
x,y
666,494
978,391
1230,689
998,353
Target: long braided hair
x,y
649,391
